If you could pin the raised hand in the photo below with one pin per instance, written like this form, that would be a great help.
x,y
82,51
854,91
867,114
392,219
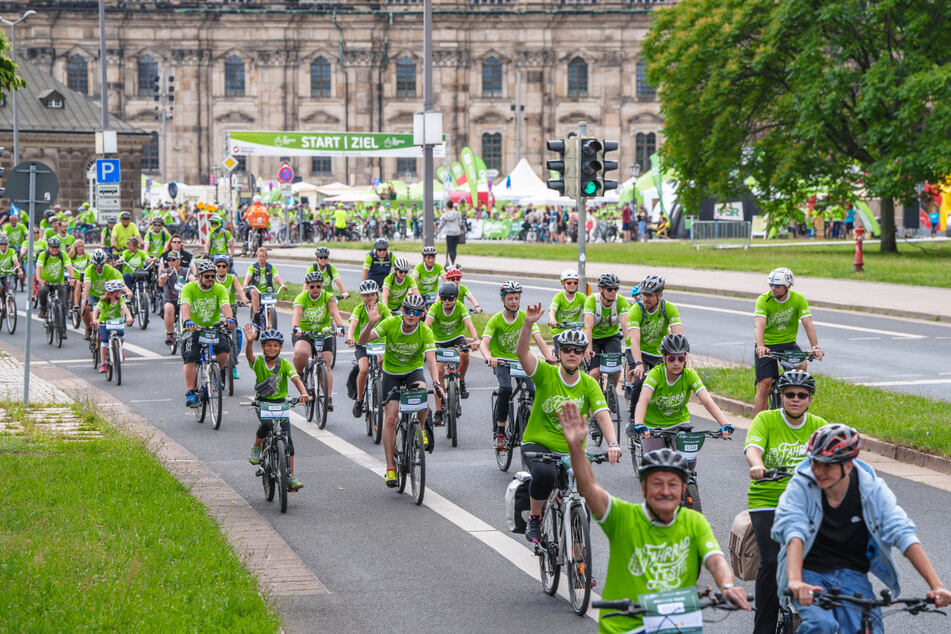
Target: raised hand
x,y
533,312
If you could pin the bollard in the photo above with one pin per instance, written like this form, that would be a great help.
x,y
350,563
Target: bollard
x,y
859,238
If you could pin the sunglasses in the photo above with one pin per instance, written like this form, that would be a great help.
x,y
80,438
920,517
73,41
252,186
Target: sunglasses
x,y
570,350
571,283
314,286
679,358
208,276
174,259
415,312
610,289
777,285
800,395
322,257
222,266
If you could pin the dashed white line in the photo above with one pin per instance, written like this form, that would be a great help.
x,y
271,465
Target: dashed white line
x,y
916,382
864,338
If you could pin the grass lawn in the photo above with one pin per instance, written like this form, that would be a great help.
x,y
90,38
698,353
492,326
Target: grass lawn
x,y
96,535
909,421
918,263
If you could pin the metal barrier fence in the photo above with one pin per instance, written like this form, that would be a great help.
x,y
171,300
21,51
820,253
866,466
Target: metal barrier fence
x,y
721,234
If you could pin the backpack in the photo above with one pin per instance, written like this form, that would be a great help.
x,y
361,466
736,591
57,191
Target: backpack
x,y
597,311
744,551
663,311
517,502
268,275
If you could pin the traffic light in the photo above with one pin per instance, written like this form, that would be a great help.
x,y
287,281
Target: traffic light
x,y
607,165
156,88
566,166
171,88
590,168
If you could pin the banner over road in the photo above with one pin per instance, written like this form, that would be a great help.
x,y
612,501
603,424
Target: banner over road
x,y
260,143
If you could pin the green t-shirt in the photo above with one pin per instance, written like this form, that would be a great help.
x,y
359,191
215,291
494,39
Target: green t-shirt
x,y
205,305
97,281
284,369
65,242
783,447
503,334
647,556
782,318
259,275
6,260
567,311
122,234
359,315
316,312
340,218
219,242
551,392
448,327
133,260
668,404
398,291
606,319
80,262
404,352
228,283
54,266
329,272
428,279
17,234
654,327
465,293
157,242
110,310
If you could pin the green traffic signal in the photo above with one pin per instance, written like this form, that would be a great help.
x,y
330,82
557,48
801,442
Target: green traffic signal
x,y
590,188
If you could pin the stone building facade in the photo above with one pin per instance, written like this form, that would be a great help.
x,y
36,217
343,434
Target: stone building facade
x,y
331,65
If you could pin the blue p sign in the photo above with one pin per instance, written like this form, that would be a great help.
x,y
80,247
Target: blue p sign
x,y
107,171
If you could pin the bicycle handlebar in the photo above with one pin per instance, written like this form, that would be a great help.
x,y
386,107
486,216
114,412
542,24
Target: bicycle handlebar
x,y
775,475
549,457
629,607
832,598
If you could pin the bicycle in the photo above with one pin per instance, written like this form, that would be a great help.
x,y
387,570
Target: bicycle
x,y
315,378
788,360
688,442
662,609
430,299
8,304
409,453
275,465
141,297
234,343
267,312
452,403
208,382
566,532
833,598
610,365
523,398
113,348
373,404
56,314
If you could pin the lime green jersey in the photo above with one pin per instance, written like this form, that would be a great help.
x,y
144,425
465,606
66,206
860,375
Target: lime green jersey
x,y
567,311
428,279
205,304
97,281
329,272
80,262
783,447
652,326
782,318
54,266
405,352
448,327
606,318
551,392
110,309
668,404
219,242
157,242
503,334
16,234
359,315
284,370
398,290
316,312
228,283
133,261
6,260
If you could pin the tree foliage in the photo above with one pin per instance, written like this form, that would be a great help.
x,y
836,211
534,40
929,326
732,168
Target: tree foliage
x,y
9,80
804,96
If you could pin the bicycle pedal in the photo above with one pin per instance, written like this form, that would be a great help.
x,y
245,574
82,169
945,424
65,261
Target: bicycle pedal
x,y
258,472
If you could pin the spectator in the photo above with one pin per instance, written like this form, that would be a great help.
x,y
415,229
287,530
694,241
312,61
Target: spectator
x,y
452,228
642,222
935,219
626,222
849,220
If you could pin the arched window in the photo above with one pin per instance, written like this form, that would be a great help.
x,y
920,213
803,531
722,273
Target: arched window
x,y
644,89
148,73
644,146
406,77
405,167
234,77
77,74
492,78
492,150
320,78
150,154
577,78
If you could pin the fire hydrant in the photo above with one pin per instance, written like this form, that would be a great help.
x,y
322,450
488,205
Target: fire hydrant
x,y
859,238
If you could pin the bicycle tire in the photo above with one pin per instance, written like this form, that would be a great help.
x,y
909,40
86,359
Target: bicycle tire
x,y
449,411
214,393
116,348
49,328
320,384
283,472
775,399
311,406
399,455
11,316
614,409
229,371
417,463
267,476
110,367
59,324
548,564
637,453
692,497
333,351
376,410
94,347
142,304
503,456
201,410
579,568
75,317
521,419
367,409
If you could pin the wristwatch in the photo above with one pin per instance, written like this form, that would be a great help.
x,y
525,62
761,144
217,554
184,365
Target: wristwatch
x,y
637,363
613,444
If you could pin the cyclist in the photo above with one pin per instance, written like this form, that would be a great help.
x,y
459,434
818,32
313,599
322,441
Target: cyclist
x,y
176,245
16,231
450,322
97,273
80,260
264,275
655,546
156,238
52,267
132,259
409,344
110,306
370,293
454,274
168,279
9,262
220,240
340,224
776,440
605,318
398,285
229,280
836,521
775,326
201,302
66,239
378,262
126,229
499,340
427,273
567,305
328,270
664,395
258,219
266,366
313,310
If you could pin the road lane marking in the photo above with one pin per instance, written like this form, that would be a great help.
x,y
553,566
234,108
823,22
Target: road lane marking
x,y
728,343
918,382
864,338
156,400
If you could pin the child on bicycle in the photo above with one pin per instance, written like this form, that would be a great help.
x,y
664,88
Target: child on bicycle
x,y
271,369
110,306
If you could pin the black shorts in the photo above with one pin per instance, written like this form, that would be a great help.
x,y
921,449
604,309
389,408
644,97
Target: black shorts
x,y
359,352
340,231
767,368
191,348
604,344
394,380
452,343
328,342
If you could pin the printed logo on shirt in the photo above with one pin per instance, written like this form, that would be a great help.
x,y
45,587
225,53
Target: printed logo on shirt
x,y
787,454
314,314
780,319
402,351
553,404
508,340
204,308
665,564
669,404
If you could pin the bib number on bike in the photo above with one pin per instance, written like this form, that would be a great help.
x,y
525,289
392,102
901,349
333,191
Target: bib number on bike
x,y
376,349
268,299
274,411
672,611
610,362
447,355
414,401
515,369
689,444
115,324
208,337
179,285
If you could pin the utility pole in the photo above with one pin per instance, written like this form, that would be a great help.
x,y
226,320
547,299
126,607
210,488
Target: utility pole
x,y
518,116
104,86
429,233
580,208
163,90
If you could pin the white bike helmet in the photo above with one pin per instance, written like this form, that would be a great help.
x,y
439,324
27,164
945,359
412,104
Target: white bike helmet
x,y
783,276
569,274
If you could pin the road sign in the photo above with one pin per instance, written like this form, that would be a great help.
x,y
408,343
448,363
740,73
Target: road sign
x,y
108,203
230,162
286,190
107,189
173,190
286,173
46,186
107,171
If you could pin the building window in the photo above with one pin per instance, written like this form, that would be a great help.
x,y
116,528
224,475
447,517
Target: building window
x,y
644,146
492,151
77,74
320,165
492,78
577,78
234,77
644,89
148,73
320,78
406,77
150,154
405,166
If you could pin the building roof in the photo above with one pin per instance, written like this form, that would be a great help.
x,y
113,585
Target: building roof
x,y
79,113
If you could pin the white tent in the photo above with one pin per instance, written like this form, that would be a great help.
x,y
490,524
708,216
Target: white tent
x,y
355,196
652,202
521,183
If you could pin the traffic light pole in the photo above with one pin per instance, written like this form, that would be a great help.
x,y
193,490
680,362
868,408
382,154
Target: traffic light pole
x,y
580,208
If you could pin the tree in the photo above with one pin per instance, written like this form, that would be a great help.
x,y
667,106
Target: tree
x,y
9,80
805,95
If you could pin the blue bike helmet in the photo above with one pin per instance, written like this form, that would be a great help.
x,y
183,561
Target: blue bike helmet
x,y
272,335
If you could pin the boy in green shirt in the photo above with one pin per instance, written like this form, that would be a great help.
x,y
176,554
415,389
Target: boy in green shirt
x,y
398,285
110,306
567,306
370,293
427,273
450,322
313,310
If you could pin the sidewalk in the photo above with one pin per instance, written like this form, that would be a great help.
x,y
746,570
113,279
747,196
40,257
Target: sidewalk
x,y
919,302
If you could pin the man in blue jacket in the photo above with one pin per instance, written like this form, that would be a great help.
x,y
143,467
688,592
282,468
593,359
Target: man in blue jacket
x,y
836,522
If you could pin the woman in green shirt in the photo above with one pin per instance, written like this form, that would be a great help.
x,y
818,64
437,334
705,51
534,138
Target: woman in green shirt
x,y
80,260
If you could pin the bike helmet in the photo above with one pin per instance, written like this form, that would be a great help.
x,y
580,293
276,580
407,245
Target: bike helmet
x,y
674,344
314,276
453,273
429,251
782,276
221,257
570,274
159,221
369,287
48,214
401,264
608,280
508,287
448,290
652,284
4,238
205,266
414,302
114,285
256,199
833,443
272,335
322,252
663,460
216,220
572,337
98,257
381,244
53,243
799,378
124,215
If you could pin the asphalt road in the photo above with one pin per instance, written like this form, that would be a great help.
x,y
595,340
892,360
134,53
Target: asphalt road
x,y
450,565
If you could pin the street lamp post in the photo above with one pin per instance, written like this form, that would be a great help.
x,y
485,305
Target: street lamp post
x,y
216,171
13,48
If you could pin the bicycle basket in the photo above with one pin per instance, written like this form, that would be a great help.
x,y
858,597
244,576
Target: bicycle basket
x,y
447,355
274,411
414,401
375,349
209,336
610,362
689,443
268,299
672,611
516,369
430,298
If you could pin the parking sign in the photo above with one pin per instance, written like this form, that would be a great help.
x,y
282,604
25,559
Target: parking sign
x,y
107,171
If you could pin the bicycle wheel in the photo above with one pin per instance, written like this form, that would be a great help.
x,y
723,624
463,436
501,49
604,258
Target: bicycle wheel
x,y
282,473
449,411
110,366
376,409
214,393
417,463
692,497
116,350
579,566
333,352
11,316
367,409
320,385
521,422
94,348
503,457
229,371
272,317
201,388
548,559
775,399
267,475
142,304
75,317
311,406
399,454
615,410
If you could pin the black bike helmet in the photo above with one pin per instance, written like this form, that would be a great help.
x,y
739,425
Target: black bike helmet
x,y
608,280
833,444
448,290
663,460
4,238
798,378
674,344
429,251
314,276
509,286
381,244
272,335
369,287
49,213
652,284
414,302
